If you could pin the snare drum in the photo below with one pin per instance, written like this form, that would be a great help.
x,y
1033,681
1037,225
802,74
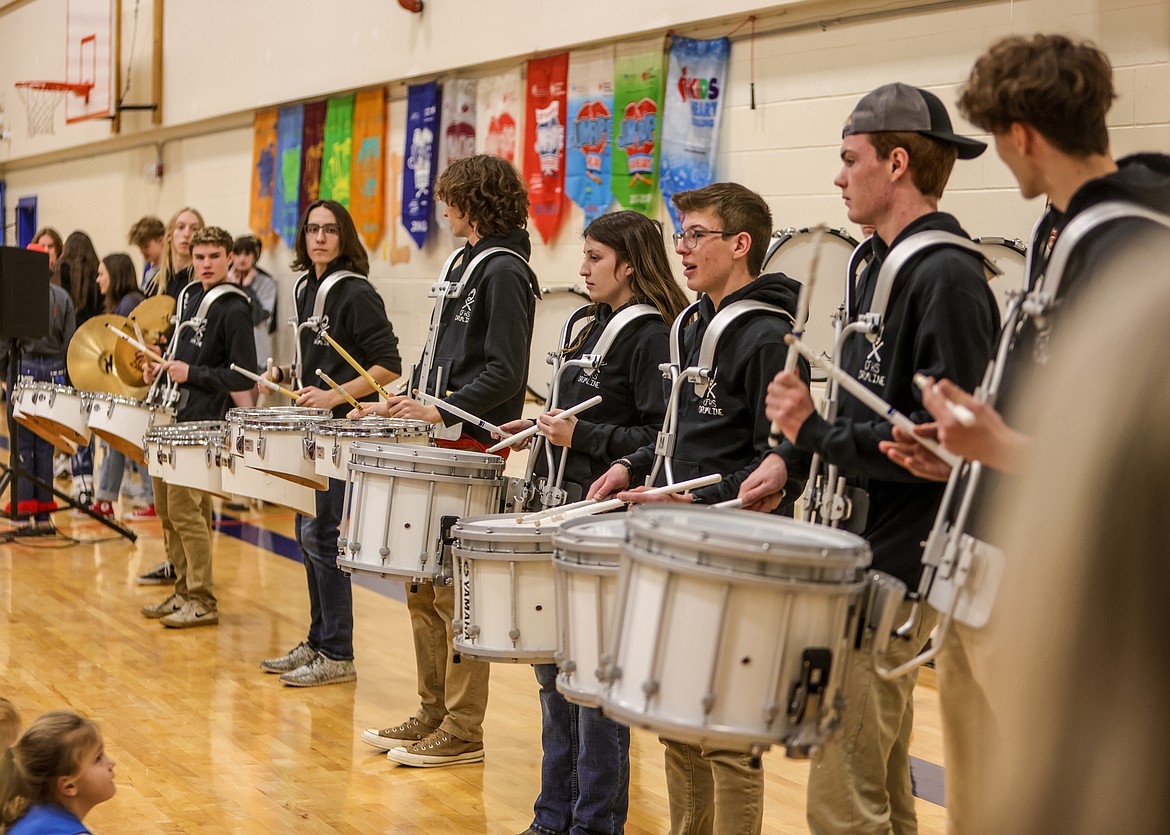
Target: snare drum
x,y
733,629
396,497
62,410
282,445
122,421
24,396
506,606
187,454
586,557
236,417
239,480
332,439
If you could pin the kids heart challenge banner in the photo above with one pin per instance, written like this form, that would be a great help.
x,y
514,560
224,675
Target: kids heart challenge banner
x,y
589,144
544,141
638,84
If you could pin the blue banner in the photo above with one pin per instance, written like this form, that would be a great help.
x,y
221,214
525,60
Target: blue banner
x,y
287,194
589,143
690,125
422,154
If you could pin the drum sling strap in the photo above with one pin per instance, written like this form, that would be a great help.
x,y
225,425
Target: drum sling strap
x,y
197,323
317,320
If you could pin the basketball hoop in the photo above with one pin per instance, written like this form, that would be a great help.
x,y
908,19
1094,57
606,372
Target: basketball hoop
x,y
41,99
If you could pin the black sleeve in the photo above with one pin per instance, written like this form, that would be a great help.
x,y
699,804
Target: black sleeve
x,y
368,327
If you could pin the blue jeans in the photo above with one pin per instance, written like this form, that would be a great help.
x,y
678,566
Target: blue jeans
x,y
36,454
585,773
330,590
82,461
111,473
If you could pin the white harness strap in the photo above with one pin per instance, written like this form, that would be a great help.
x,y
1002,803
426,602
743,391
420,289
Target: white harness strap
x,y
723,320
317,320
593,361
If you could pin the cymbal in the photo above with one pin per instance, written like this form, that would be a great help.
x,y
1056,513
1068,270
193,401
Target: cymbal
x,y
90,358
153,318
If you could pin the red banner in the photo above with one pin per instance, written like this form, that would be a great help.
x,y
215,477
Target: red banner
x,y
544,140
312,150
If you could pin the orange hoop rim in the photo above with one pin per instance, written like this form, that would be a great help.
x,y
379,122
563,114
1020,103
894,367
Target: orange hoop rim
x,y
81,90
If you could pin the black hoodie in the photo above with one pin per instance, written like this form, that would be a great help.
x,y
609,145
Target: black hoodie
x,y
484,337
226,339
727,431
631,412
1143,179
942,321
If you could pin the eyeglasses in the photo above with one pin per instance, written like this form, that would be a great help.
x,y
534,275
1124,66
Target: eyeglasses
x,y
691,237
331,230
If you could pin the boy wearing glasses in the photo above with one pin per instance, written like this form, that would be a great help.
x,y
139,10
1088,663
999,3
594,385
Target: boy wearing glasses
x,y
726,228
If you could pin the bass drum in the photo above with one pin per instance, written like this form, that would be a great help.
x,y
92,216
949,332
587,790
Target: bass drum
x,y
791,252
553,309
1011,256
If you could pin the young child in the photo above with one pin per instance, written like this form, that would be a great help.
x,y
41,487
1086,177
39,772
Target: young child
x,y
53,776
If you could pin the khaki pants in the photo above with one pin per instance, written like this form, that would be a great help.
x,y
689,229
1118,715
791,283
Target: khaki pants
x,y
454,692
970,732
712,791
859,781
186,520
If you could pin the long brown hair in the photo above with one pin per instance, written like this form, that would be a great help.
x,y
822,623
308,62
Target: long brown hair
x,y
352,254
80,260
57,744
122,279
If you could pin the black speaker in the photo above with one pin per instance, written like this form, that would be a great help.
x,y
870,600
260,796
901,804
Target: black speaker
x,y
24,293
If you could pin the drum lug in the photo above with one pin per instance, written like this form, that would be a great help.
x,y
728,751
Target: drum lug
x,y
260,445
650,687
809,690
336,454
308,448
240,443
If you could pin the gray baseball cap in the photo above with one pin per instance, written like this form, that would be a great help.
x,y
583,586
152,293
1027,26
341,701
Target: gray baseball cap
x,y
900,107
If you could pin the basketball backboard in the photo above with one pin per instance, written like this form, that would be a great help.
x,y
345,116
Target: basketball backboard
x,y
89,58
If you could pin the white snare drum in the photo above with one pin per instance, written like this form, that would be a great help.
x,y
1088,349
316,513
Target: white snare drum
x,y
239,480
282,445
187,454
62,410
733,629
24,396
586,558
396,497
235,419
506,604
332,439
122,421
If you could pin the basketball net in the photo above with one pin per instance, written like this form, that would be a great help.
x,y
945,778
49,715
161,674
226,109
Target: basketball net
x,y
41,99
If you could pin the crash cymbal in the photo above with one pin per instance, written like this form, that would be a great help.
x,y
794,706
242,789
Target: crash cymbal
x,y
90,358
153,320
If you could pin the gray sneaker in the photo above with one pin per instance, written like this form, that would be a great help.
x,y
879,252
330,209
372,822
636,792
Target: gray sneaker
x,y
298,656
193,613
321,670
438,749
169,606
408,733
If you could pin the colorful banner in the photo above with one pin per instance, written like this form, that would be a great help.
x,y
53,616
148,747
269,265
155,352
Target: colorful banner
x,y
456,129
544,140
368,176
690,126
497,116
263,176
589,154
637,104
337,150
418,172
312,149
286,199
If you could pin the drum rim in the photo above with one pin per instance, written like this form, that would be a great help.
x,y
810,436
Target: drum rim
x,y
382,428
447,457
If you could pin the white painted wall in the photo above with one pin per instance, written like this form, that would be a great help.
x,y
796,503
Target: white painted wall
x,y
225,57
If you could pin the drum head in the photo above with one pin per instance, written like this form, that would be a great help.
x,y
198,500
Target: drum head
x,y
592,540
1010,255
372,427
501,532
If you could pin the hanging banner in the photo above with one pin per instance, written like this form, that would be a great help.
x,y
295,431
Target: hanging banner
x,y
690,126
368,176
312,149
286,211
497,116
589,153
637,104
544,140
337,150
263,176
456,128
418,171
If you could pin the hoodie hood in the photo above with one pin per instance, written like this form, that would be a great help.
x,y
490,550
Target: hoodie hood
x,y
1140,178
771,288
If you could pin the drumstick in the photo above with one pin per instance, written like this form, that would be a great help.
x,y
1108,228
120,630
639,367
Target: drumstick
x,y
614,504
525,434
803,301
962,414
871,400
552,511
357,366
264,381
431,400
730,504
338,389
125,337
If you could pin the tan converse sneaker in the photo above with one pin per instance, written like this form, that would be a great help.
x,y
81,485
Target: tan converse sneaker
x,y
169,606
408,733
193,613
438,749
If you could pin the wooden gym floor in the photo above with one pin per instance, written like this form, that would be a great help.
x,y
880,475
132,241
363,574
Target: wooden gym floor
x,y
207,743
